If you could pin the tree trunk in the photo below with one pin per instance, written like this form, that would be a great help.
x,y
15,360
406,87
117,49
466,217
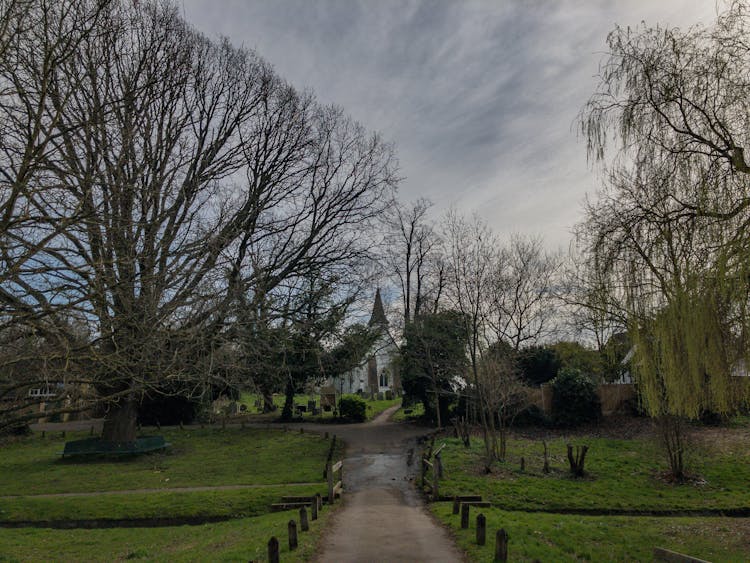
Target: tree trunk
x,y
120,422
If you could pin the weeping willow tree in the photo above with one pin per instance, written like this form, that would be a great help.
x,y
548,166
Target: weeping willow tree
x,y
669,229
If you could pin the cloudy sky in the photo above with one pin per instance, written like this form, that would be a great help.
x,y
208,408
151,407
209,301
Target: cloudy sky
x,y
479,97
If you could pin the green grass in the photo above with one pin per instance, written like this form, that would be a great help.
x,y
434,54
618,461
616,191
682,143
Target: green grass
x,y
417,412
374,408
553,537
217,503
197,457
621,475
269,460
237,540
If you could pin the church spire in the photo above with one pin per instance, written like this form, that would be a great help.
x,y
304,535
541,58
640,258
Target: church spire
x,y
378,311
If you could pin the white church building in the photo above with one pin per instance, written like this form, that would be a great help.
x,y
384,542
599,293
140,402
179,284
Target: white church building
x,y
377,373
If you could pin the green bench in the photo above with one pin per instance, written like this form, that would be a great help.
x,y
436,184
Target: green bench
x,y
97,446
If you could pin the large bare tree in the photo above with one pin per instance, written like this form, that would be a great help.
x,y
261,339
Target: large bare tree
x,y
194,176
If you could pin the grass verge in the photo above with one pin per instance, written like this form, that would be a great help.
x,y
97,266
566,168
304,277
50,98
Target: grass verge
x,y
622,475
552,537
237,540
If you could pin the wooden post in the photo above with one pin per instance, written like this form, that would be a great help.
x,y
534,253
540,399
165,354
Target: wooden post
x,y
481,529
501,546
320,501
439,464
464,515
329,473
303,524
326,436
435,482
44,433
523,464
273,550
456,506
314,508
63,434
292,535
301,430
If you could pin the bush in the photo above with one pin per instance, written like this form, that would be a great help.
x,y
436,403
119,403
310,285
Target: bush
x,y
531,416
167,410
574,399
353,408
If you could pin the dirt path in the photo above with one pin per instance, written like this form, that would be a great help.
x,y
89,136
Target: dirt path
x,y
383,519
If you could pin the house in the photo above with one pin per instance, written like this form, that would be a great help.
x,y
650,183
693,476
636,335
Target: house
x,y
378,371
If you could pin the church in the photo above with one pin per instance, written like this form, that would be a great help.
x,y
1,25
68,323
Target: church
x,y
378,372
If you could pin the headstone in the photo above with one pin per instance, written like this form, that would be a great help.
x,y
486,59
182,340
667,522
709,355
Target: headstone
x,y
464,515
501,546
273,550
292,535
481,529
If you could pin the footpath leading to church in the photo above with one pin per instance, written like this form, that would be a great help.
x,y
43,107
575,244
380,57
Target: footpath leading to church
x,y
383,518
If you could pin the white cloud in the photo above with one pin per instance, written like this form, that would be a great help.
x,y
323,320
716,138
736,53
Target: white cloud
x,y
480,97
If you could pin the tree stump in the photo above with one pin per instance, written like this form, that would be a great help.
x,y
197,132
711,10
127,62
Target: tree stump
x,y
501,546
481,529
292,535
578,460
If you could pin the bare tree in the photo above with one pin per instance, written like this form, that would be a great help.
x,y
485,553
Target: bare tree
x,y
471,252
195,176
413,257
523,292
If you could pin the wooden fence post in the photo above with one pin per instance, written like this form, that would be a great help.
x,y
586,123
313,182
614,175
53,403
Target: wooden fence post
x,y
329,473
273,550
439,464
481,529
314,508
435,483
320,501
464,515
292,535
501,546
456,505
303,523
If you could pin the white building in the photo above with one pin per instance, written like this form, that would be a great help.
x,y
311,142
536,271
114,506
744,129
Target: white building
x,y
377,372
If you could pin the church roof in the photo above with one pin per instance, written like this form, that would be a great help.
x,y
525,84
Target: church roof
x,y
378,312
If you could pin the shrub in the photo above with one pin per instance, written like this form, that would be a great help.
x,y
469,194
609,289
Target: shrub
x,y
532,415
353,408
574,399
167,410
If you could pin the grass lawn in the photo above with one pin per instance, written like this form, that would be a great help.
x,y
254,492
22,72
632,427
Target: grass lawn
x,y
553,537
621,475
197,457
374,408
417,412
237,540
